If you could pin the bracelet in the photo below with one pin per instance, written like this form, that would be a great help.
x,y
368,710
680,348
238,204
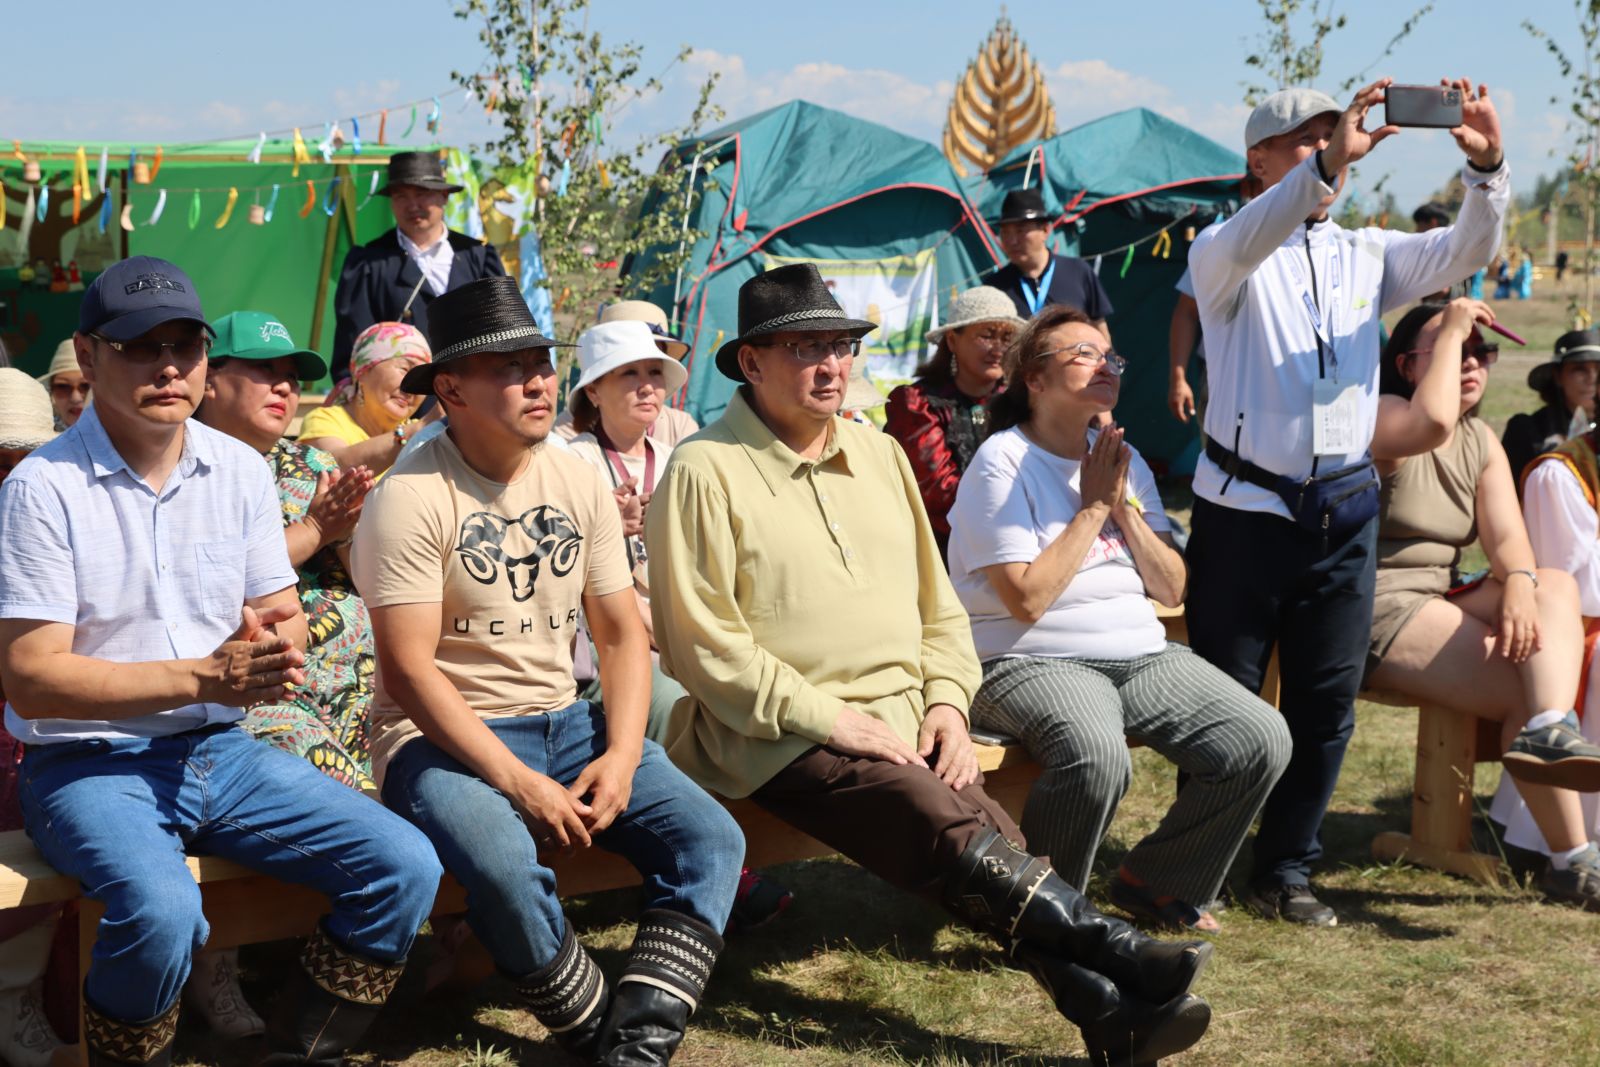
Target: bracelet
x,y
1488,170
1532,577
400,433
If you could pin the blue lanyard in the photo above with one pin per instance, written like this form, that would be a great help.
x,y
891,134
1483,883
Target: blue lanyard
x,y
1036,299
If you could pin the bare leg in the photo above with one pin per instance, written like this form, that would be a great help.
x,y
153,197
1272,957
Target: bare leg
x,y
1446,655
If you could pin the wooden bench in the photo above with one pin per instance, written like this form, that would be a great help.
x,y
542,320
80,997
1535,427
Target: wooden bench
x,y
1449,747
245,907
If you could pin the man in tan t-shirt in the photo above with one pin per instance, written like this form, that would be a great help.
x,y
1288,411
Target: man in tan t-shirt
x,y
475,556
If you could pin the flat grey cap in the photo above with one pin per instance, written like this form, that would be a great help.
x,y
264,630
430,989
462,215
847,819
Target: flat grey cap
x,y
1283,111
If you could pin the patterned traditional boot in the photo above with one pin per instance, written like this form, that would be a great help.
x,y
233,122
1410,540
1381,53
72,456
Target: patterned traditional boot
x,y
660,988
112,1041
569,997
328,1004
1004,891
1118,1030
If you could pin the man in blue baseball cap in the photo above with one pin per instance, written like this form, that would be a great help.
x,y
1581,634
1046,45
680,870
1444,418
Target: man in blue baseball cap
x,y
146,599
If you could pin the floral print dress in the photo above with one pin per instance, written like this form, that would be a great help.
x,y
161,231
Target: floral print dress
x,y
325,721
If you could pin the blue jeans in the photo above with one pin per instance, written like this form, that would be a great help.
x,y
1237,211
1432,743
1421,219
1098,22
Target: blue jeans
x,y
685,844
118,815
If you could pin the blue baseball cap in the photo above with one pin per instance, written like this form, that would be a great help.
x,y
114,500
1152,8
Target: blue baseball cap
x,y
135,295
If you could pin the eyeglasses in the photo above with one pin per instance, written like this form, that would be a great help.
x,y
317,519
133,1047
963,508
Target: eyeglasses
x,y
191,350
1088,355
817,351
68,389
1487,353
994,339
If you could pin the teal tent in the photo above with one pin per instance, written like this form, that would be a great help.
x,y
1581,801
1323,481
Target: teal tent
x,y
1116,184
883,213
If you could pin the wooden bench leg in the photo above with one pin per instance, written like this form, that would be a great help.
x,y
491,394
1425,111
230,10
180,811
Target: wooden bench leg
x,y
1441,801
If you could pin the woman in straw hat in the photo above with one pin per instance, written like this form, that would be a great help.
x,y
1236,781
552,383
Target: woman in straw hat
x,y
69,393
939,419
366,420
26,1040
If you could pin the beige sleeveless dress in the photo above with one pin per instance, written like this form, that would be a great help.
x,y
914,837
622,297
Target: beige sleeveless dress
x,y
1427,513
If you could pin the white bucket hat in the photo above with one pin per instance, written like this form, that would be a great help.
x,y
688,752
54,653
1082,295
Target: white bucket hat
x,y
604,348
653,317
981,303
65,360
27,419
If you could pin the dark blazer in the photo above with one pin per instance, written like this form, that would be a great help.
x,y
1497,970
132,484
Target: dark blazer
x,y
378,278
1073,283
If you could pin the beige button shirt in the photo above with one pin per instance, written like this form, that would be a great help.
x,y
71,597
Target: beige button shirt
x,y
785,588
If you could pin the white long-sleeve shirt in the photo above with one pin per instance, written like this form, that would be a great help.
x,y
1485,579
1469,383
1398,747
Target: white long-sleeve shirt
x,y
1564,529
1254,276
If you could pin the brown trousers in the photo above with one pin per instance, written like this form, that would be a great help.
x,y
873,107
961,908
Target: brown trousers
x,y
899,822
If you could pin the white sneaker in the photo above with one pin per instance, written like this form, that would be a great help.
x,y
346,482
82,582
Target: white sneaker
x,y
213,991
26,1039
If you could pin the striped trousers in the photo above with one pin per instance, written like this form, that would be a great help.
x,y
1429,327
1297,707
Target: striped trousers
x,y
1074,717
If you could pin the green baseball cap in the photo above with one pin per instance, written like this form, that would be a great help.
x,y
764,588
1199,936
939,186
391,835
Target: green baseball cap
x,y
257,335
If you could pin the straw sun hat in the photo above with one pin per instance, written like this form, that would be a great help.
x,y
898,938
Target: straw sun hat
x,y
981,303
26,418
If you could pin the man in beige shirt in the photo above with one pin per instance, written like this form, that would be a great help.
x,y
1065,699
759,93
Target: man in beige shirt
x,y
475,556
799,597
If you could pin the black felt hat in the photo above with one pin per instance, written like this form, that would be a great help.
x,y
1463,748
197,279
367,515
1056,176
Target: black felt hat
x,y
488,315
792,297
421,169
1574,346
1022,205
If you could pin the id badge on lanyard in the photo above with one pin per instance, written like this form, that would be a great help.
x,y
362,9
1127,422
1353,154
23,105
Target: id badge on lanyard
x,y
1038,297
1335,405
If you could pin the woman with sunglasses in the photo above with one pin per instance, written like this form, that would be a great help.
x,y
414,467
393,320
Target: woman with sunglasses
x,y
940,417
1505,646
69,391
1058,543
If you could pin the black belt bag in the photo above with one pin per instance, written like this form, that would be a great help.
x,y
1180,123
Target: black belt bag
x,y
1334,504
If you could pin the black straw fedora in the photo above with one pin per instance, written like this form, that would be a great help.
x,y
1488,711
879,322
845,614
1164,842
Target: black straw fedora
x,y
1575,346
421,169
1022,205
488,315
792,297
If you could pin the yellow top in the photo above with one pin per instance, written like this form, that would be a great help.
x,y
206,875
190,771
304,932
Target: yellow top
x,y
785,588
333,422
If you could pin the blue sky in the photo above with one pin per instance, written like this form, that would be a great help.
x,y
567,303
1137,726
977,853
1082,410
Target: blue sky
x,y
186,70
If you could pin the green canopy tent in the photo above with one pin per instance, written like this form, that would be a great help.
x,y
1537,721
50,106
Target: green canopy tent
x,y
287,266
883,213
1117,184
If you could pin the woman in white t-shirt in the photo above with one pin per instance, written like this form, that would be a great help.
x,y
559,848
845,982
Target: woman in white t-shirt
x,y
1057,542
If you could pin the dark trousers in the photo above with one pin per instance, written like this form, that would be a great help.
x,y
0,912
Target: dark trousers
x,y
899,822
1258,580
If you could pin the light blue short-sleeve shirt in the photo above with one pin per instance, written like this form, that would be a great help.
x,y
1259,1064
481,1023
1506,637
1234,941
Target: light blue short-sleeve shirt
x,y
139,575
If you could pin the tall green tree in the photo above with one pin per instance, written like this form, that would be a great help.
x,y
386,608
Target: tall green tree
x,y
556,88
1289,50
1581,69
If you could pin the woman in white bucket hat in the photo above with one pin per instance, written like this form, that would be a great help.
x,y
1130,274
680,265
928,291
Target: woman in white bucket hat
x,y
69,392
940,417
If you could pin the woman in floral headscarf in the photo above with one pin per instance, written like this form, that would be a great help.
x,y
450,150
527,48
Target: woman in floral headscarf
x,y
366,420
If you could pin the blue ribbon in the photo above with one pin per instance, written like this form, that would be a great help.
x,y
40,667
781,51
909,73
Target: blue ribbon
x,y
355,135
105,211
272,202
44,200
330,204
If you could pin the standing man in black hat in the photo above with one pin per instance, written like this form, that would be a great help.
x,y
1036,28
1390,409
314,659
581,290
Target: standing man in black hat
x,y
1035,277
395,276
801,599
475,556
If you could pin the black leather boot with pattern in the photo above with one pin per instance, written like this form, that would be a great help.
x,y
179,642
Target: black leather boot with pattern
x,y
112,1041
569,997
328,1004
660,987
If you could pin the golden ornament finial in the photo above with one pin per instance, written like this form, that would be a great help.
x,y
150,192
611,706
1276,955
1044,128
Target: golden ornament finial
x,y
1000,102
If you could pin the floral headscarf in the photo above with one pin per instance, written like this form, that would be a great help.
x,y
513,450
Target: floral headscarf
x,y
379,342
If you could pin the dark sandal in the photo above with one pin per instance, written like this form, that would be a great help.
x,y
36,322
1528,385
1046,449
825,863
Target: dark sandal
x,y
1168,913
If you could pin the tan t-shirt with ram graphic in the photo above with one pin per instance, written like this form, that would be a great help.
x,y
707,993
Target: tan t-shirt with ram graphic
x,y
508,565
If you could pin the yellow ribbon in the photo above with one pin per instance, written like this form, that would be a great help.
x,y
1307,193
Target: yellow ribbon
x,y
1163,245
227,211
300,153
80,183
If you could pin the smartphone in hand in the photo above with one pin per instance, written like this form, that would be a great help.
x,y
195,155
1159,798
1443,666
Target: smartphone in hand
x,y
1427,106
